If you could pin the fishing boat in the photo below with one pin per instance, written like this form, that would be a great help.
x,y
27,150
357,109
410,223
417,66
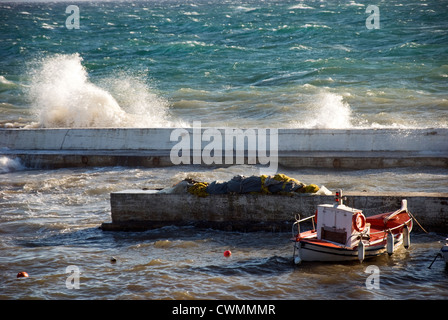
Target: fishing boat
x,y
342,233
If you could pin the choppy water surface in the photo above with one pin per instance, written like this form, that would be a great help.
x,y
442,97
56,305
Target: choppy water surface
x,y
49,220
255,63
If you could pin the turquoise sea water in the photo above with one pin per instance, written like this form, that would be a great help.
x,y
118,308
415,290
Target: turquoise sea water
x,y
236,63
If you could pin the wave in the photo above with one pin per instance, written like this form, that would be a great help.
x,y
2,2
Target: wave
x,y
327,111
5,81
317,104
300,6
63,96
246,9
10,165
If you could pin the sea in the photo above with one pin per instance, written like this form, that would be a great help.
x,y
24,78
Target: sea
x,y
342,64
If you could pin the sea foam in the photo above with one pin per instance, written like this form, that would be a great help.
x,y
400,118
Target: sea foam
x,y
9,165
63,96
330,111
324,110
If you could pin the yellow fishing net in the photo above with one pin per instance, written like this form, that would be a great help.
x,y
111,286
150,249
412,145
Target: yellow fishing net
x,y
199,189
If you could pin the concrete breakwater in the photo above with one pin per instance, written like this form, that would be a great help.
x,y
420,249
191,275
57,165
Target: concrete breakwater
x,y
137,210
295,148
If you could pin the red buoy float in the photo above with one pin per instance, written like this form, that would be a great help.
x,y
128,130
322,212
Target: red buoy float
x,y
22,274
227,253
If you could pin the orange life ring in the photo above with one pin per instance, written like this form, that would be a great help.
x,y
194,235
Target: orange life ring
x,y
359,221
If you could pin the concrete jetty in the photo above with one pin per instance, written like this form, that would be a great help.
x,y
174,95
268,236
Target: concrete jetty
x,y
295,148
138,210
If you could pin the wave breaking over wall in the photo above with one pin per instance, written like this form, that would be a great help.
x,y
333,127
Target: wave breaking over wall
x,y
62,95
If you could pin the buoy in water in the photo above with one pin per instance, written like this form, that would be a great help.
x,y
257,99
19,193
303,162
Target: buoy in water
x,y
390,243
22,274
227,253
406,236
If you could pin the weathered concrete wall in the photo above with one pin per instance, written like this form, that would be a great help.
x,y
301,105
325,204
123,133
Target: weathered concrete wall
x,y
141,210
289,140
355,148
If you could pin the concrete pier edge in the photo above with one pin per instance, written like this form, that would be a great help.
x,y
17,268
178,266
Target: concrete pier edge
x,y
140,210
297,148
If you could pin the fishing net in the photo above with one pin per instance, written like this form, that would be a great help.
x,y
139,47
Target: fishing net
x,y
277,184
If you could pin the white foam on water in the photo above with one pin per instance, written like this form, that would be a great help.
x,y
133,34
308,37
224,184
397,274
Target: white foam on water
x,y
63,96
326,111
10,165
3,80
300,6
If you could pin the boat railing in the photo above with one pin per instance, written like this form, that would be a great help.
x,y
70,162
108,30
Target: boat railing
x,y
298,221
